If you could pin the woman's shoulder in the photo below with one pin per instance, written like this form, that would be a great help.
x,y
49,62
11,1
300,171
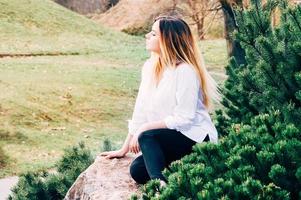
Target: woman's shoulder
x,y
187,73
185,69
149,63
147,66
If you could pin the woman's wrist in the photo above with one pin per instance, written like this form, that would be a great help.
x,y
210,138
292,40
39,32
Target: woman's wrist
x,y
142,128
126,146
124,149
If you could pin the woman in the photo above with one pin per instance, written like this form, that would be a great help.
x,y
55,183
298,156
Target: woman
x,y
171,109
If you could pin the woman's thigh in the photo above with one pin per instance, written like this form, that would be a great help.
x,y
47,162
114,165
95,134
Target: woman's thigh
x,y
173,143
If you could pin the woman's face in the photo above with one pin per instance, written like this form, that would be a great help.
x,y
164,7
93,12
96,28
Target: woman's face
x,y
153,38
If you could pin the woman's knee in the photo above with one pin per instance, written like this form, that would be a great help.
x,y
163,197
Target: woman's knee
x,y
136,173
146,135
133,169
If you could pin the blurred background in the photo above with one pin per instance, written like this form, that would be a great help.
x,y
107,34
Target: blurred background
x,y
70,70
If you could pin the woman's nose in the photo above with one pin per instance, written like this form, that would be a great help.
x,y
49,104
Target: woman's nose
x,y
146,36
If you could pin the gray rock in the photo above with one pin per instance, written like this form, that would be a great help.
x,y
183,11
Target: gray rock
x,y
6,184
104,179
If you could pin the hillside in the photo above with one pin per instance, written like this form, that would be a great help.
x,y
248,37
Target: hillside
x,y
136,16
42,26
131,13
51,102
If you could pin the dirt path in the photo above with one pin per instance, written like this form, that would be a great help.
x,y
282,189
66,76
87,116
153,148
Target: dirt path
x,y
3,55
5,185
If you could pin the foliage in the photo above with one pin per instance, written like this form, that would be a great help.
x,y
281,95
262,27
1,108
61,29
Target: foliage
x,y
44,185
3,157
107,145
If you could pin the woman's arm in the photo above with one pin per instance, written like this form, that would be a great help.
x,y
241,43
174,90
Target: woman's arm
x,y
134,146
155,125
131,141
139,112
138,116
126,144
187,94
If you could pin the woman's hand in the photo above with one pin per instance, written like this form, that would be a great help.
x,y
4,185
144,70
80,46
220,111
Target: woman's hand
x,y
134,145
114,154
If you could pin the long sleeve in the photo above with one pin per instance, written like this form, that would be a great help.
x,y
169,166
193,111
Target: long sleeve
x,y
187,89
139,113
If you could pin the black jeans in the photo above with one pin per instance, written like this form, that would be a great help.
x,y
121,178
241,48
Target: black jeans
x,y
159,148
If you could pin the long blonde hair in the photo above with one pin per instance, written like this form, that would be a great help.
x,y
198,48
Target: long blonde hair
x,y
177,44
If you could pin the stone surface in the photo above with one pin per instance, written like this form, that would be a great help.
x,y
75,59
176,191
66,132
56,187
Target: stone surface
x,y
104,179
6,184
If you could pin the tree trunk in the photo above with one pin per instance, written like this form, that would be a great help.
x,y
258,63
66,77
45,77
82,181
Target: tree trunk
x,y
200,28
233,47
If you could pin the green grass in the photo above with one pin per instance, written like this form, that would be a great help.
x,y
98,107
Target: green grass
x,y
48,103
42,26
214,53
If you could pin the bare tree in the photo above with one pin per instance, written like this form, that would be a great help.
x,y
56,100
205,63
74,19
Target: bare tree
x,y
198,11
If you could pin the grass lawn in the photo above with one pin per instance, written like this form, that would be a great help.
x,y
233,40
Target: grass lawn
x,y
50,103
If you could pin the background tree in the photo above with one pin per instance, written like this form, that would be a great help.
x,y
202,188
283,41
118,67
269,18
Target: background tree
x,y
198,11
230,25
269,79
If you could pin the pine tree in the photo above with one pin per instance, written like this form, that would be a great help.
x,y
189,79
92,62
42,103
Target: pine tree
x,y
270,79
46,186
259,155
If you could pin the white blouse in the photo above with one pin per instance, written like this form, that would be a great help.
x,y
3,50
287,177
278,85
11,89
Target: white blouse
x,y
177,101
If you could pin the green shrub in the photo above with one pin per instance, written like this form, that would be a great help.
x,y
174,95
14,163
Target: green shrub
x,y
139,30
271,78
107,145
3,158
43,185
249,163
